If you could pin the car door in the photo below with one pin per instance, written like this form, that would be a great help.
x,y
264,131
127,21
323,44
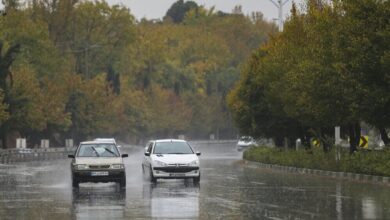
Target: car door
x,y
146,160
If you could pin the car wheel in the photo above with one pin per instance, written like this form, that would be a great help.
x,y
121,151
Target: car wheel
x,y
196,179
152,178
75,183
122,182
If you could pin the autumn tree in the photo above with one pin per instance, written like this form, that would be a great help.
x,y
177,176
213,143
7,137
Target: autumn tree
x,y
179,9
325,69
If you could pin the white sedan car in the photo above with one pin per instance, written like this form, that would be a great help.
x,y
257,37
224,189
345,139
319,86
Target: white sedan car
x,y
245,142
171,159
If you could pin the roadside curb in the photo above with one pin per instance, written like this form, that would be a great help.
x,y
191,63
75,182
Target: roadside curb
x,y
325,173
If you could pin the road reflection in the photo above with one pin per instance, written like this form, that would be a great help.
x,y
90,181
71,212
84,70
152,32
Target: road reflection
x,y
228,190
99,201
369,208
177,199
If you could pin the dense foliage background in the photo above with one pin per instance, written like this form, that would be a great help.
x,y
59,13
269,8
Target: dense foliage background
x,y
329,67
82,69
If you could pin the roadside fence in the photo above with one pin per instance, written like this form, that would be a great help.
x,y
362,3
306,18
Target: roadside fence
x,y
8,156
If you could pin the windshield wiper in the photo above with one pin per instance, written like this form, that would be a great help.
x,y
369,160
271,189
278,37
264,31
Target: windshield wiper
x,y
97,153
110,151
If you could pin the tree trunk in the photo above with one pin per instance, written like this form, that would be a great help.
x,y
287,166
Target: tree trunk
x,y
3,142
278,141
384,136
358,132
354,136
352,139
292,142
305,139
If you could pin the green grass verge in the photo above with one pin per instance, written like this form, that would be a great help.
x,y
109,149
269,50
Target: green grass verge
x,y
363,162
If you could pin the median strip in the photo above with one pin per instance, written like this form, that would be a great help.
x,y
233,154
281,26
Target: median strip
x,y
361,166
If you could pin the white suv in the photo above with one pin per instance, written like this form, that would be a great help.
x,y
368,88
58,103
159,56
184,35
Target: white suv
x,y
171,159
98,161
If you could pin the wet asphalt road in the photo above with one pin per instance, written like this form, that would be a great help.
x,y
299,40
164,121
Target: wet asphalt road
x,y
228,190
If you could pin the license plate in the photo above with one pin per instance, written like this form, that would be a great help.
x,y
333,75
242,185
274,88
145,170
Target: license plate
x,y
99,173
176,174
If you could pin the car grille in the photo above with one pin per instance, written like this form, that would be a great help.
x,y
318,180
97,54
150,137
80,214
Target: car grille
x,y
177,165
176,169
99,166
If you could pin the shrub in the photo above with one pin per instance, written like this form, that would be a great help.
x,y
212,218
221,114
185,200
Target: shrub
x,y
364,162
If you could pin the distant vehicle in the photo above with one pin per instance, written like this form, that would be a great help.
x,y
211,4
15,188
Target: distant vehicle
x,y
112,140
171,159
98,161
24,151
245,142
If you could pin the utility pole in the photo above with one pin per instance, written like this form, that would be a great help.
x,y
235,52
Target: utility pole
x,y
279,5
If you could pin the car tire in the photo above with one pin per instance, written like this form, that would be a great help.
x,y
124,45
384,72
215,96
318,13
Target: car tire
x,y
122,182
196,179
75,183
152,178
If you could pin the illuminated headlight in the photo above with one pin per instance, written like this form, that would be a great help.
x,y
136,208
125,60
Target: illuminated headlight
x,y
194,163
161,164
117,166
81,167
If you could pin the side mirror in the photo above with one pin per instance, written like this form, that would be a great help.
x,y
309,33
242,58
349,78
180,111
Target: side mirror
x,y
198,153
70,156
147,154
125,155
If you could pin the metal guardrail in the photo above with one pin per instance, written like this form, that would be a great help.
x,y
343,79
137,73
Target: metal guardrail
x,y
25,155
213,141
13,155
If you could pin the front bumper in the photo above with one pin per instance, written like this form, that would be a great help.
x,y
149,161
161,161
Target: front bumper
x,y
242,147
87,175
173,172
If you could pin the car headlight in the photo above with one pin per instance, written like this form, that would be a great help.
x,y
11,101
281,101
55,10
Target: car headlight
x,y
117,166
194,163
81,167
161,164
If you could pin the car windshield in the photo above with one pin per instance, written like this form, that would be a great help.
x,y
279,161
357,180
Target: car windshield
x,y
98,150
172,148
246,139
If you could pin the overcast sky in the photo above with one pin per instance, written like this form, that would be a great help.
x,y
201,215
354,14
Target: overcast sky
x,y
155,9
152,9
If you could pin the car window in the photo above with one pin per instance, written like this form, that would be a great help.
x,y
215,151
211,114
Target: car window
x,y
172,148
98,150
150,147
246,139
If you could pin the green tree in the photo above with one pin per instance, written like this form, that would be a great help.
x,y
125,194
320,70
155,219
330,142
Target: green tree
x,y
364,36
179,9
98,35
3,109
326,68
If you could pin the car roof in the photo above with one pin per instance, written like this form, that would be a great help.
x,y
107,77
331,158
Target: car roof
x,y
169,140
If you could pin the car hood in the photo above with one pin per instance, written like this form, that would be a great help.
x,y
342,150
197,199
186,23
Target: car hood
x,y
99,160
175,158
245,143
